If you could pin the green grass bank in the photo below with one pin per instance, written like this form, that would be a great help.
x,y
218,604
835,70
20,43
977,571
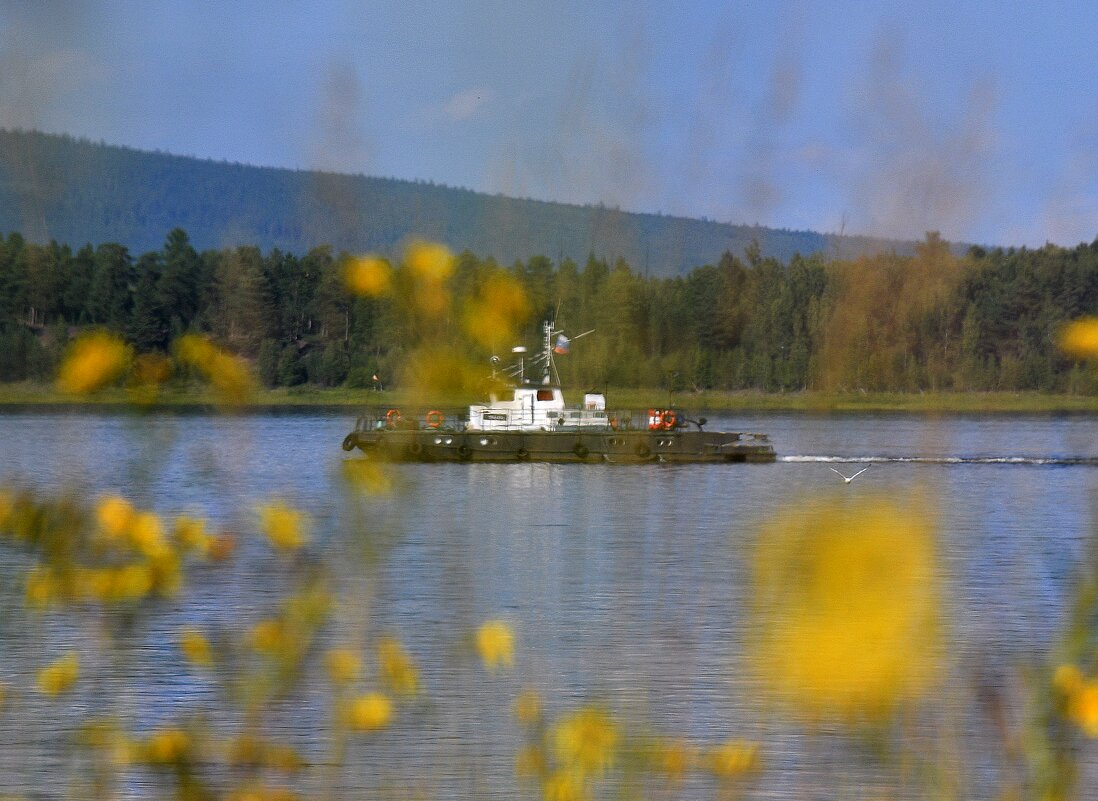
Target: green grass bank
x,y
30,395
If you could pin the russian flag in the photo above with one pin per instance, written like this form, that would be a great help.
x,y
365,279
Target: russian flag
x,y
562,344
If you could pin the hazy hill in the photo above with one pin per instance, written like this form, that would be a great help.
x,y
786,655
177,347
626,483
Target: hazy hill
x,y
75,192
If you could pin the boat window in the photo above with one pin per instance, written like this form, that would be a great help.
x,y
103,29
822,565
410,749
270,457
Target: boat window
x,y
545,394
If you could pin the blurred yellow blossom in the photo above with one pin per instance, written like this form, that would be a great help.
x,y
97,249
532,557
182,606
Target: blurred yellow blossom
x,y
370,477
196,647
429,261
527,707
59,676
147,535
397,669
494,314
190,533
585,741
41,588
430,265
1068,679
529,762
115,515
131,582
167,746
344,665
149,372
495,643
564,785
733,758
268,636
369,712
92,362
283,525
370,276
673,758
846,606
227,374
1080,697
7,506
1083,708
1079,338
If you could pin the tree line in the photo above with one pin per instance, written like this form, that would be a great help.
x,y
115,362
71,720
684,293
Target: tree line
x,y
987,320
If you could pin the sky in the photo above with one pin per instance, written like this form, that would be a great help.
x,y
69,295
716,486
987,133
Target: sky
x,y
975,119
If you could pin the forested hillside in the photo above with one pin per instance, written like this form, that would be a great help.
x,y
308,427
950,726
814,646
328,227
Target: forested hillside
x,y
74,191
931,320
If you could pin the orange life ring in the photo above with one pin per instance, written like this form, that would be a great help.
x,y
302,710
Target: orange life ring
x,y
614,423
655,419
392,418
435,419
669,418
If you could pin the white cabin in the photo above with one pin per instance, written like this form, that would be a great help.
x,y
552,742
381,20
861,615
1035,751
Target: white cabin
x,y
536,408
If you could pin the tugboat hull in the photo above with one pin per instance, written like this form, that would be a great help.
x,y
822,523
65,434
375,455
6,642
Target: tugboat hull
x,y
632,446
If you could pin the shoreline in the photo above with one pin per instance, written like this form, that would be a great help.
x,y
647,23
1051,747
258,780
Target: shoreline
x,y
23,397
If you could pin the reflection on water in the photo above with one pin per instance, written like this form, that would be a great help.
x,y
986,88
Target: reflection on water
x,y
626,586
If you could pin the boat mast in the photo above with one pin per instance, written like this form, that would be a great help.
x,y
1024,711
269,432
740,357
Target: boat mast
x,y
550,368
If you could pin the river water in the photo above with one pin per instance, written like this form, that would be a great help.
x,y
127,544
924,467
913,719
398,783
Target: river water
x,y
625,586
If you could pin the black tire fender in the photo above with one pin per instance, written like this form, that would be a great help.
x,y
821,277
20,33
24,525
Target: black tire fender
x,y
349,442
522,454
580,450
642,450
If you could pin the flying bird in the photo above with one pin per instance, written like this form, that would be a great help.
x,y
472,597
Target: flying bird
x,y
848,479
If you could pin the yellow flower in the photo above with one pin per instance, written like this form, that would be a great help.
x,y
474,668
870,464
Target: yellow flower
x,y
1068,679
369,712
528,707
228,375
529,762
673,758
92,362
115,515
397,669
344,665
196,647
429,262
585,741
564,786
1082,707
493,315
41,588
59,676
369,276
283,525
495,643
147,535
733,758
132,582
167,746
846,607
1079,338
368,476
190,533
7,506
150,370
268,636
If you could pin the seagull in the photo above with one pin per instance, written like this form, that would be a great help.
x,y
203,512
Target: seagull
x,y
848,479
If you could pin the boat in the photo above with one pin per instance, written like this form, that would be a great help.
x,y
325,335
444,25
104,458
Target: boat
x,y
524,420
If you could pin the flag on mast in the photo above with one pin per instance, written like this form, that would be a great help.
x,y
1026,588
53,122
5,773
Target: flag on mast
x,y
562,344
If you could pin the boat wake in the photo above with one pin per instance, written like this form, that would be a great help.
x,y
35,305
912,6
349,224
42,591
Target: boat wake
x,y
1035,461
